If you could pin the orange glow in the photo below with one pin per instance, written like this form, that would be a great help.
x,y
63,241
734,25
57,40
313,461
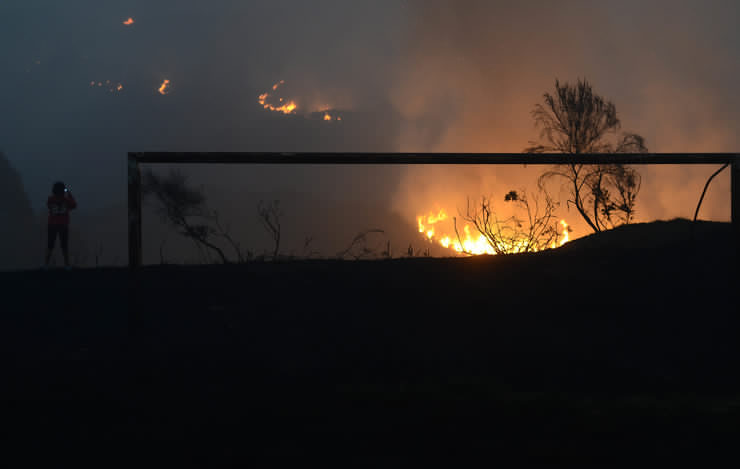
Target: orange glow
x,y
129,22
119,87
566,232
286,107
437,228
327,116
164,89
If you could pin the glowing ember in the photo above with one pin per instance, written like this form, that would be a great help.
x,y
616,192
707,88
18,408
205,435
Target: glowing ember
x,y
129,22
164,89
280,106
437,228
327,116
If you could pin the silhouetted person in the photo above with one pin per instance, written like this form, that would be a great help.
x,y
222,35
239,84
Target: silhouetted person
x,y
60,202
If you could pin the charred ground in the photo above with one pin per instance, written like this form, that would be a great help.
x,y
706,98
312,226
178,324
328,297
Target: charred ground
x,y
626,340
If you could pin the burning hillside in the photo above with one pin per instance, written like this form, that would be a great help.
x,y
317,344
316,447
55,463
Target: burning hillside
x,y
274,101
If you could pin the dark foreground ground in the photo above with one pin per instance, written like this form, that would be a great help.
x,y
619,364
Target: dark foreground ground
x,y
611,349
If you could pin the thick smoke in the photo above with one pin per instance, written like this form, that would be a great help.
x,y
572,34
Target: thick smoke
x,y
417,75
474,70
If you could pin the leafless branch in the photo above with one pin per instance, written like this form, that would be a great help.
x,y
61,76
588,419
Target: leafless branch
x,y
358,247
269,215
180,206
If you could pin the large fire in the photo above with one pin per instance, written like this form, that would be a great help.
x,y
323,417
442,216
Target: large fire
x,y
164,88
469,240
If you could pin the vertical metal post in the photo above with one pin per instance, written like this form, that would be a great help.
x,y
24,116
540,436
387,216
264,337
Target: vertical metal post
x,y
735,202
134,212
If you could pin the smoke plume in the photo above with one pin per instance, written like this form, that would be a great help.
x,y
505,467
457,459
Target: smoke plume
x,y
473,71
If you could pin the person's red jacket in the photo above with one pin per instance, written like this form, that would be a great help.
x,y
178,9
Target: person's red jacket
x,y
59,207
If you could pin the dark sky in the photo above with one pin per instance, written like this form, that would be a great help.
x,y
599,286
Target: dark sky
x,y
415,75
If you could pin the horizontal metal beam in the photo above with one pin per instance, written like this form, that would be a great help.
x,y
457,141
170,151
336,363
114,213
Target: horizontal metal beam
x,y
432,158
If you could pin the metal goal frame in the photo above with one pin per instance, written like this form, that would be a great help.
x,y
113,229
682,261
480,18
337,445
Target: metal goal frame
x,y
265,158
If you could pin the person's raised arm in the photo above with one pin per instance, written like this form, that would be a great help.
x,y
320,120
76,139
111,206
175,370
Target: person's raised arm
x,y
71,202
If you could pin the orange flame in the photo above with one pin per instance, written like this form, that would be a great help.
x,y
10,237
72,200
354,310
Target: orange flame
x,y
129,22
164,88
327,116
470,242
285,108
565,234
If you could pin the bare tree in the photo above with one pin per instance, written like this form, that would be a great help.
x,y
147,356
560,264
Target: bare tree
x,y
358,248
576,120
224,231
308,251
269,215
183,207
535,232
